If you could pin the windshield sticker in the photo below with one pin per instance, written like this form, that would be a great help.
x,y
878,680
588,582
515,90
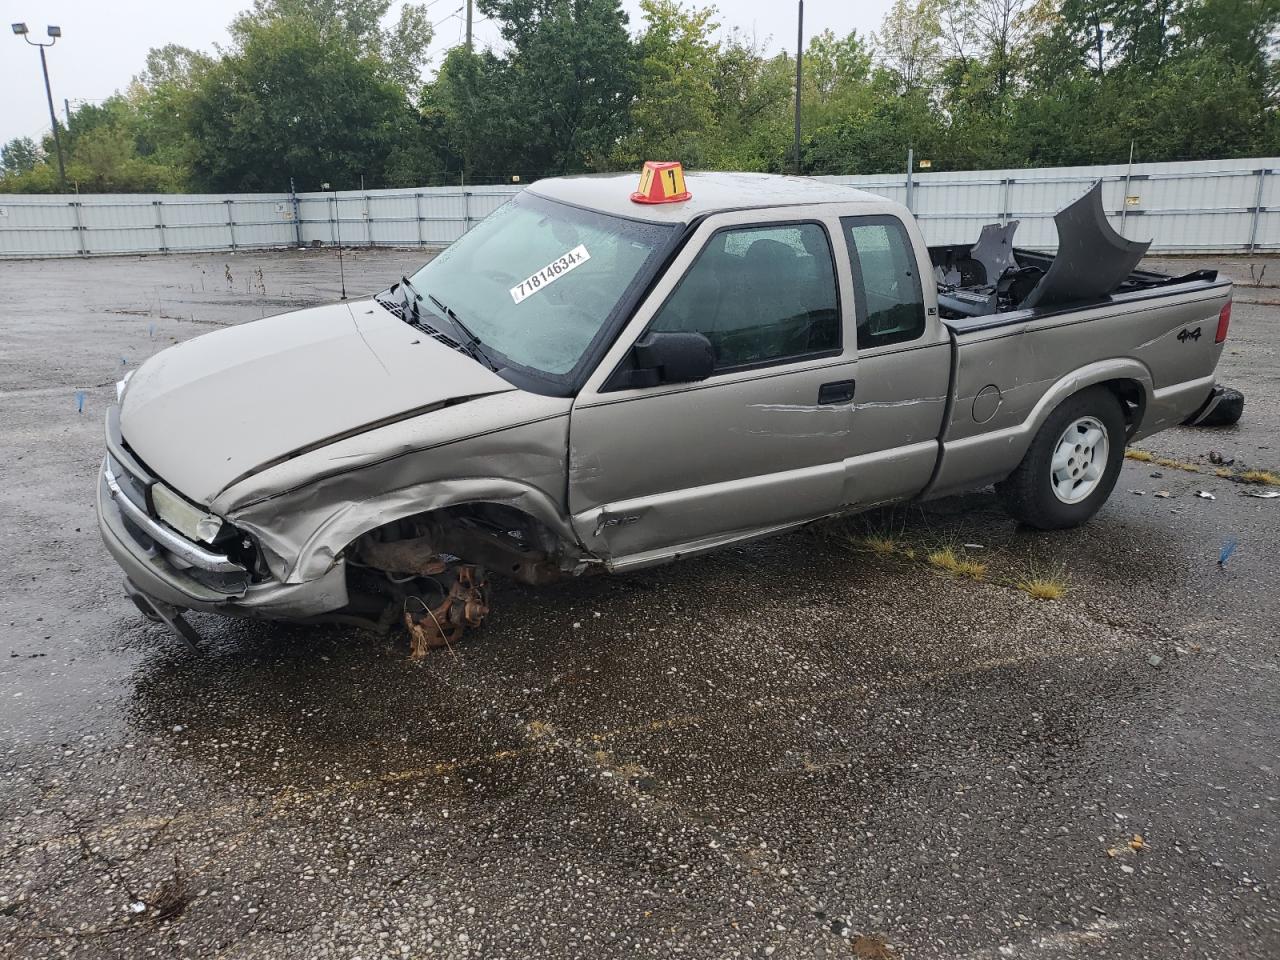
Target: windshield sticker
x,y
551,272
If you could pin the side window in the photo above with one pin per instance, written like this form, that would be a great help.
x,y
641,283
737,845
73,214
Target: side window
x,y
760,295
886,281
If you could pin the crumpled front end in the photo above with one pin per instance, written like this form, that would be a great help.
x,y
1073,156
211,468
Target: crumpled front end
x,y
221,574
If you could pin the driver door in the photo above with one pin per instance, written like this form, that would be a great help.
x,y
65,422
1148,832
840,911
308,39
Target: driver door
x,y
760,444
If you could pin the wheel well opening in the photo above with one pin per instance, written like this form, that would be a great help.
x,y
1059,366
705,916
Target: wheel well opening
x,y
499,537
1133,400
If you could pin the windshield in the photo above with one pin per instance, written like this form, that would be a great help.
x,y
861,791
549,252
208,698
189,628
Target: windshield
x,y
537,280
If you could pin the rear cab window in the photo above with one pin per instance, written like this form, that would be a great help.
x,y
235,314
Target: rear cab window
x,y
886,281
762,295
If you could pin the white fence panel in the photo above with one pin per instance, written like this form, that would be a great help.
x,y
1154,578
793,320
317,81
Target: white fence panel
x,y
38,228
1204,206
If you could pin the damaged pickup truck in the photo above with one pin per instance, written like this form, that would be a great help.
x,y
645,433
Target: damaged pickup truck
x,y
595,380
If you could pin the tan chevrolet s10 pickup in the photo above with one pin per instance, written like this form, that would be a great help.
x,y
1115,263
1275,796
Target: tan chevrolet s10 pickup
x,y
599,378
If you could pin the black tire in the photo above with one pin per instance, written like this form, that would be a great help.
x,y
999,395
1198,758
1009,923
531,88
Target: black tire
x,y
1226,413
1028,492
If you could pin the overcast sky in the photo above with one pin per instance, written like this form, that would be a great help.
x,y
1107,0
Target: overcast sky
x,y
105,42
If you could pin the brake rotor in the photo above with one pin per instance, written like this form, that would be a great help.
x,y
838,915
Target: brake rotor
x,y
463,608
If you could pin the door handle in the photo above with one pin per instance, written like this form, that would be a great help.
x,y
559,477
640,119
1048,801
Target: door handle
x,y
841,391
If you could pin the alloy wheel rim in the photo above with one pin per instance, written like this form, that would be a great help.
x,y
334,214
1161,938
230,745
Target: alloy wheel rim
x,y
1079,460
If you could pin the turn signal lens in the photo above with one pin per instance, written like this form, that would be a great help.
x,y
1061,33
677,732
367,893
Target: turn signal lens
x,y
1224,321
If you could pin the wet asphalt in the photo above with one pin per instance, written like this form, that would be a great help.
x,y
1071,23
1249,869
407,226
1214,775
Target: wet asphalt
x,y
798,748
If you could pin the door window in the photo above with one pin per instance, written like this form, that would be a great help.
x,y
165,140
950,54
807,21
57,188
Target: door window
x,y
886,281
761,295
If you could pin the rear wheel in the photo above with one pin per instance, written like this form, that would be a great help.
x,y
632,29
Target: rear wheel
x,y
1072,464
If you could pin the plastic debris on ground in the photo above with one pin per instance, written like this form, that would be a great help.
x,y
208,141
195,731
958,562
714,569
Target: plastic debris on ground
x,y
1228,548
1264,494
1205,495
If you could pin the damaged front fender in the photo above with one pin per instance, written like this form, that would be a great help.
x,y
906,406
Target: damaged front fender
x,y
306,512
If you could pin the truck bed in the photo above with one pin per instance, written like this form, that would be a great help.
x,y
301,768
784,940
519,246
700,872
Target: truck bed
x,y
992,282
976,306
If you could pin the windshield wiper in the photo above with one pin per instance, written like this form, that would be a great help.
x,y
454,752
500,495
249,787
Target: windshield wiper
x,y
469,341
410,301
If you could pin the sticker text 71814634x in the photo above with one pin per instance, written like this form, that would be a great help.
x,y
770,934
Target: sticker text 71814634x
x,y
553,271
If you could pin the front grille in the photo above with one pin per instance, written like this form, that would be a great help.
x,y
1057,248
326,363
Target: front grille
x,y
133,487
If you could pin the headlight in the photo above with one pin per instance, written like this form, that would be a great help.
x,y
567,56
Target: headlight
x,y
185,517
121,384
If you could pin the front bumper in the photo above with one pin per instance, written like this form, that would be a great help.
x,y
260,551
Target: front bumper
x,y
158,573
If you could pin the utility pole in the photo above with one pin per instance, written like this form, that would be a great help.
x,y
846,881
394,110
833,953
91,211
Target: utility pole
x,y
799,76
54,33
911,162
469,3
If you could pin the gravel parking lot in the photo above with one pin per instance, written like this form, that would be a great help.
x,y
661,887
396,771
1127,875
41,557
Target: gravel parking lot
x,y
800,748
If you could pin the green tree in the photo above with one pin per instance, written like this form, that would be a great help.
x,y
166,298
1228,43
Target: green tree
x,y
469,104
674,114
402,48
907,44
570,79
752,103
294,100
19,155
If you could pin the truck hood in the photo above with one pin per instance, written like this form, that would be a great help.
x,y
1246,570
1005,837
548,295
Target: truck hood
x,y
216,409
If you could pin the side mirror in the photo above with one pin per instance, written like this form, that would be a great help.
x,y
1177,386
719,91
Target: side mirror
x,y
672,358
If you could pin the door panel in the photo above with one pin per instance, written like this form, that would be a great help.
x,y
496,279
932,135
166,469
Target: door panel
x,y
754,446
904,362
677,467
897,416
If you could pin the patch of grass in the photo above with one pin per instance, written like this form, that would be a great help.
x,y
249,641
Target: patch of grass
x,y
946,558
1142,456
1268,478
880,543
1264,477
1043,586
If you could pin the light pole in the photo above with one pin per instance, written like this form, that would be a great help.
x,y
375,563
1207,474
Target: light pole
x,y
54,33
799,75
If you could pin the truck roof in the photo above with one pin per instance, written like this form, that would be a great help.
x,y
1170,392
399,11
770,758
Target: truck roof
x,y
710,193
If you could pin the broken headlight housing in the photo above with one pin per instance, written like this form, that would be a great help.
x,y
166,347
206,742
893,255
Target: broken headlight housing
x,y
184,516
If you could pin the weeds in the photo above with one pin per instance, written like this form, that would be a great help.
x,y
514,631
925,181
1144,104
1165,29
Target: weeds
x,y
1043,584
946,558
1265,477
880,543
1142,456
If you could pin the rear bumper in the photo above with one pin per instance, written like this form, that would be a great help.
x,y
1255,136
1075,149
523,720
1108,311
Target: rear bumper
x,y
149,568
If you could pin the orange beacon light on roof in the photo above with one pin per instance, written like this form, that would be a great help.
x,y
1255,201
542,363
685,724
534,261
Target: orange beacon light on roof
x,y
661,183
